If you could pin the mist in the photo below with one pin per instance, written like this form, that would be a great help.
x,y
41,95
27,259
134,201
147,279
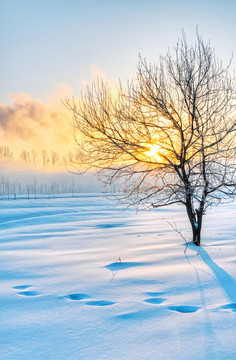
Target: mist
x,y
28,123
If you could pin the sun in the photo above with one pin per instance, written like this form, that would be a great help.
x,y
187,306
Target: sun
x,y
153,150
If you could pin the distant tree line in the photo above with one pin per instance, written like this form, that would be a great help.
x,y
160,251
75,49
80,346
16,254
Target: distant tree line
x,y
33,188
42,158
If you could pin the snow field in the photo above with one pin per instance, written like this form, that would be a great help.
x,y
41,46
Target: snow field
x,y
80,279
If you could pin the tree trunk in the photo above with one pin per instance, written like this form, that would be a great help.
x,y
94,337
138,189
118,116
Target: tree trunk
x,y
195,219
196,235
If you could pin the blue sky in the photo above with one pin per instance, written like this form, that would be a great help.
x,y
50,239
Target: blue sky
x,y
46,42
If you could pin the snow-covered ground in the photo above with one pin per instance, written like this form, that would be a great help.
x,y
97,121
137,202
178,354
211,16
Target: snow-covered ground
x,y
83,280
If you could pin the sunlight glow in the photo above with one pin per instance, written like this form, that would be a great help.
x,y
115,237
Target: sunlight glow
x,y
156,154
153,150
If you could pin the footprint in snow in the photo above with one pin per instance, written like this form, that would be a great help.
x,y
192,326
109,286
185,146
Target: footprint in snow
x,y
154,294
100,303
21,287
155,300
184,308
231,306
116,266
77,296
28,293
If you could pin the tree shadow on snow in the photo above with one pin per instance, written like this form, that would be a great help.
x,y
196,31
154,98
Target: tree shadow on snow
x,y
225,280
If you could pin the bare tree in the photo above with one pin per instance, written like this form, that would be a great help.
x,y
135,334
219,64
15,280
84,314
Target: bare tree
x,y
5,153
45,158
55,159
25,156
168,136
34,157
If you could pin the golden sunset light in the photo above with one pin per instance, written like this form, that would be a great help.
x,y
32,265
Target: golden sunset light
x,y
154,151
117,180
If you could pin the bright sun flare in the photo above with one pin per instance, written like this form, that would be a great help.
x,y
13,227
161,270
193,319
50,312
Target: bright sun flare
x,y
153,150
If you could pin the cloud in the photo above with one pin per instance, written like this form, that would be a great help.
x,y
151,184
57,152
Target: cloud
x,y
97,72
29,123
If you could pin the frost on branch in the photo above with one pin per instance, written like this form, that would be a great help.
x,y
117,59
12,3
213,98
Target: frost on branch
x,y
168,136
